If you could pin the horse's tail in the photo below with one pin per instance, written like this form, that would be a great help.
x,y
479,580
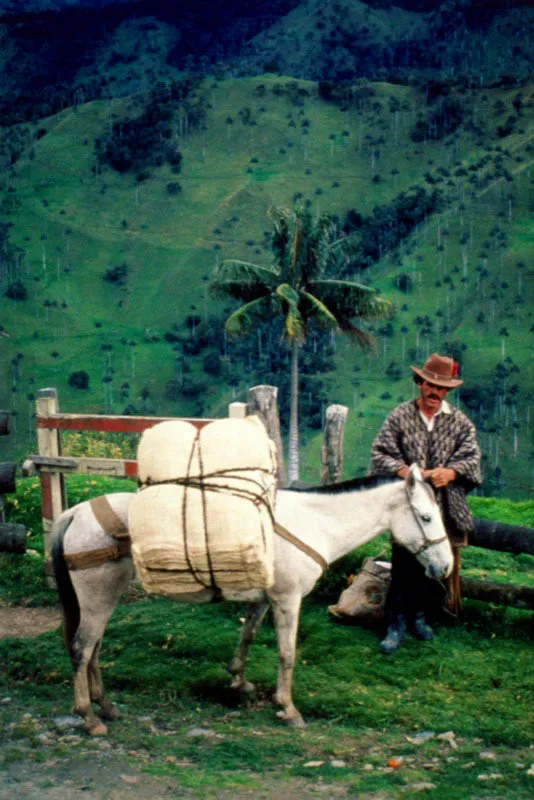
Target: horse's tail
x,y
65,588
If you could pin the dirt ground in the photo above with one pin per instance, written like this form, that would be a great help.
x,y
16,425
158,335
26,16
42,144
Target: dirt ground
x,y
96,778
23,622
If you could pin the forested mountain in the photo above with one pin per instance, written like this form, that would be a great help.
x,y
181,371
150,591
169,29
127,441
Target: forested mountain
x,y
399,42
54,54
141,143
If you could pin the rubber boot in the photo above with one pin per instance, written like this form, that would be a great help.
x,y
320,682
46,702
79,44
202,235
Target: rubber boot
x,y
395,635
420,628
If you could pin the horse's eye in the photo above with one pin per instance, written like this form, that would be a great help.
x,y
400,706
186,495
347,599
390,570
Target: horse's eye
x,y
426,517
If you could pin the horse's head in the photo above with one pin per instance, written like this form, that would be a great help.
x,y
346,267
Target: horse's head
x,y
418,526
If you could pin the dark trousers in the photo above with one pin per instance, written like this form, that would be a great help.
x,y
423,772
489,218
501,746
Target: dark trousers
x,y
410,591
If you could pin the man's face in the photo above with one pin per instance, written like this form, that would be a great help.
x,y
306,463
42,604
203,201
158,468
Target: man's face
x,y
431,396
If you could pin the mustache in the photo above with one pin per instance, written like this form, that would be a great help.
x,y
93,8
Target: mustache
x,y
434,396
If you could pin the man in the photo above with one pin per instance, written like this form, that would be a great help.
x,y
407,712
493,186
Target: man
x,y
428,431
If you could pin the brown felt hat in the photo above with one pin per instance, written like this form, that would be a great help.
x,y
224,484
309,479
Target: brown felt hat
x,y
440,370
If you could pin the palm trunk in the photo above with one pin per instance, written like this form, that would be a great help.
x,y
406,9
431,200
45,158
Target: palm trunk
x,y
293,447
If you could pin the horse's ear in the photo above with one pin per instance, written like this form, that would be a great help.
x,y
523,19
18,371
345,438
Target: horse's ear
x,y
413,475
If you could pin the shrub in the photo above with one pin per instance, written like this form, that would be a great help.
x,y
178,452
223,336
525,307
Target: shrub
x,y
138,142
192,347
79,379
212,364
394,371
403,282
442,120
16,291
173,389
174,188
193,389
118,275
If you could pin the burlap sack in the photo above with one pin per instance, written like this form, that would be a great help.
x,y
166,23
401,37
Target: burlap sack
x,y
364,599
203,520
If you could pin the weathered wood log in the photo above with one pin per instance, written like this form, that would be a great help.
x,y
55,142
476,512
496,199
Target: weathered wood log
x,y
502,593
12,538
4,423
506,538
8,470
262,401
332,448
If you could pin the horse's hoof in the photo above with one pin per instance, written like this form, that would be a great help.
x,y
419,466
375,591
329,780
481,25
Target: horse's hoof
x,y
96,729
108,711
297,722
291,719
242,686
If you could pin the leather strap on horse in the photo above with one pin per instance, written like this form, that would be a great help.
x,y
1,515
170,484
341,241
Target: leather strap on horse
x,y
106,517
95,558
111,524
285,534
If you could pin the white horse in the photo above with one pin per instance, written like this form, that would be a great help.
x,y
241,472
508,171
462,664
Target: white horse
x,y
323,523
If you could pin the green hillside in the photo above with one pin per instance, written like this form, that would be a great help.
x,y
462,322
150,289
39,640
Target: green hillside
x,y
143,334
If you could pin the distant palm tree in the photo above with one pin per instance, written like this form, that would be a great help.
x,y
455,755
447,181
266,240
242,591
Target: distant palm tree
x,y
297,287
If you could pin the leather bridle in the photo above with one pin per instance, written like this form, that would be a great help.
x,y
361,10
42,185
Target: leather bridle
x,y
428,542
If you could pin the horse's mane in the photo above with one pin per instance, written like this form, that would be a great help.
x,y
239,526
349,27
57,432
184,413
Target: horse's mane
x,y
352,485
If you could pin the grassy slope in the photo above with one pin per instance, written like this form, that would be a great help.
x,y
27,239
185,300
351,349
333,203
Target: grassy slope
x,y
171,244
495,297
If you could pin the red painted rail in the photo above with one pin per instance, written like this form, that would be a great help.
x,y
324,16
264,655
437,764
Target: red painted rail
x,y
109,424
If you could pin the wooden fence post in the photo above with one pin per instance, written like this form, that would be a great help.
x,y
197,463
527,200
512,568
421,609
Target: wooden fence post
x,y
263,402
332,449
52,484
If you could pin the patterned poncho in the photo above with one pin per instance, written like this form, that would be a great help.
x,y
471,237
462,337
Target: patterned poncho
x,y
405,440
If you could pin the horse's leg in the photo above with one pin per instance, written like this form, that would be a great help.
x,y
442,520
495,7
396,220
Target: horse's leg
x,y
98,591
253,619
83,647
286,618
96,687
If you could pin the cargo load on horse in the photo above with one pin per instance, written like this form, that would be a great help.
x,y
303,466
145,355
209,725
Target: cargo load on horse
x,y
203,519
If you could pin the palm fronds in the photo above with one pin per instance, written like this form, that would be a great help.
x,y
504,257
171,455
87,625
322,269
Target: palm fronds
x,y
246,316
319,312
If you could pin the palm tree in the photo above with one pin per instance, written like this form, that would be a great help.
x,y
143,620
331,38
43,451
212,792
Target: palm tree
x,y
297,287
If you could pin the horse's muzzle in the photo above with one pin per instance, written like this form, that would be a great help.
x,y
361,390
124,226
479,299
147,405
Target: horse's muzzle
x,y
437,571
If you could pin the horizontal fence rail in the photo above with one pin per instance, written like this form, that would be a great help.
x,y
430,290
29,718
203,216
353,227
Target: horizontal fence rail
x,y
113,467
108,424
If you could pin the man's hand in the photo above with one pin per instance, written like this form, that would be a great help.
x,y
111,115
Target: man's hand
x,y
440,476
